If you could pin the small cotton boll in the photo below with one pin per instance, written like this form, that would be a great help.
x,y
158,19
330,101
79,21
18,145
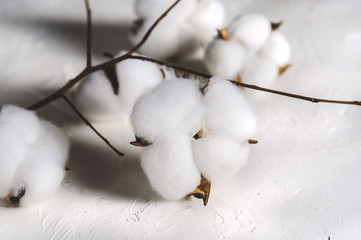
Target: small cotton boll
x,y
277,48
42,170
208,16
135,78
252,30
229,114
95,98
225,58
218,158
259,71
173,106
169,166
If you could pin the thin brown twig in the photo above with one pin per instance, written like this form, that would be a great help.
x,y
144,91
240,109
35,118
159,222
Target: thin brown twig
x,y
90,69
72,106
88,35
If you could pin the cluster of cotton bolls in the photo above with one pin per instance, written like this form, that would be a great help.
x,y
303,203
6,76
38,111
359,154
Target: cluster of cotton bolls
x,y
251,50
190,26
100,100
33,154
166,119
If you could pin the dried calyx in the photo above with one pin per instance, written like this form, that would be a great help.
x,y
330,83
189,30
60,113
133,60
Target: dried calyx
x,y
140,142
15,197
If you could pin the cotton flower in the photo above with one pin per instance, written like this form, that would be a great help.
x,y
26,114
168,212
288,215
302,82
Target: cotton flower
x,y
169,166
174,106
33,153
98,101
190,26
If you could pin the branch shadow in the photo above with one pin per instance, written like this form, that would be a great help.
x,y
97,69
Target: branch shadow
x,y
95,168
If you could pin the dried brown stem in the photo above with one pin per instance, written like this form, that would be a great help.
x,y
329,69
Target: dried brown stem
x,y
88,35
72,106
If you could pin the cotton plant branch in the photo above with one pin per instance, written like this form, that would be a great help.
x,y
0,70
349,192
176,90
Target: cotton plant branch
x,y
72,106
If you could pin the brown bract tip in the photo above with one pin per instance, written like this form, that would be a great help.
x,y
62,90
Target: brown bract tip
x,y
202,191
276,26
14,198
283,69
140,142
223,34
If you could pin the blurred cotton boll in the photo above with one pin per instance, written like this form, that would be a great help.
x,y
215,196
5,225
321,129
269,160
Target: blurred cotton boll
x,y
96,99
185,30
252,30
169,166
259,70
173,106
225,58
277,48
218,158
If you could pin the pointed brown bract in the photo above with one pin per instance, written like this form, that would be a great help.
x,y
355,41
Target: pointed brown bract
x,y
140,142
282,69
198,135
276,26
239,79
14,198
111,74
223,34
251,141
202,191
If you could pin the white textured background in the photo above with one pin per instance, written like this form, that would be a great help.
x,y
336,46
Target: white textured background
x,y
303,179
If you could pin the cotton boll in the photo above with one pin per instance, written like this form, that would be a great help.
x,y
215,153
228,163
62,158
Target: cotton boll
x,y
18,128
277,48
208,16
225,58
169,166
252,30
95,98
42,170
218,158
259,71
135,78
228,112
173,106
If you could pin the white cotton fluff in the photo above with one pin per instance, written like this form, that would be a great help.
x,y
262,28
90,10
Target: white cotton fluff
x,y
152,9
259,71
218,158
42,170
18,129
95,98
173,106
225,58
252,30
277,48
208,16
162,43
135,78
169,166
228,114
